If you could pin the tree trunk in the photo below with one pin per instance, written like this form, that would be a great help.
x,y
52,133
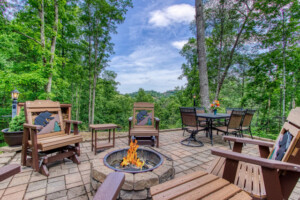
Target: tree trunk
x,y
53,44
221,40
77,104
90,66
90,80
221,81
42,18
201,51
95,77
283,71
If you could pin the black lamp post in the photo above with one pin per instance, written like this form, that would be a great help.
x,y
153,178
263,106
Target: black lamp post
x,y
14,95
194,97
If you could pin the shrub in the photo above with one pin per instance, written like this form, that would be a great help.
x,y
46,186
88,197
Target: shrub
x,y
16,124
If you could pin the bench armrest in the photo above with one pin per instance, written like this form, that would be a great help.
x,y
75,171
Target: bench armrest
x,y
9,170
272,164
73,121
249,141
34,127
110,188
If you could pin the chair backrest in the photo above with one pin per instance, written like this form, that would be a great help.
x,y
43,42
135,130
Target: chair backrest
x,y
229,110
235,119
47,114
246,122
188,116
200,110
292,125
143,114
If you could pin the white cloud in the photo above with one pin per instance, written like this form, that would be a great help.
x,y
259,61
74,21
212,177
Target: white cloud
x,y
180,13
150,66
158,80
179,44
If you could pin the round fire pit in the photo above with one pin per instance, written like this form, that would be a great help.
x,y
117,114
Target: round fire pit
x,y
151,160
158,169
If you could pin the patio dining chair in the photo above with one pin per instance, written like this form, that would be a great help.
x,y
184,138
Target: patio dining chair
x,y
190,124
202,121
234,123
246,122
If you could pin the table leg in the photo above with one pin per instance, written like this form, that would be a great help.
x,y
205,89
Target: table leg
x,y
211,132
109,135
114,132
92,138
95,142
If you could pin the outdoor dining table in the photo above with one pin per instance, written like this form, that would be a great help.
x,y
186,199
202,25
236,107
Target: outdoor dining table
x,y
210,117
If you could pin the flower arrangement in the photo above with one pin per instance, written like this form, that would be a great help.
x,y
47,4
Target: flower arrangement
x,y
215,105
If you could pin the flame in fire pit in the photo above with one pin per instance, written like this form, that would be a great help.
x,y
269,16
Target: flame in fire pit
x,y
131,157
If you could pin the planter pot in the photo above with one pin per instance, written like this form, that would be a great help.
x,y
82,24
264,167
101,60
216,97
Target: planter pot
x,y
12,138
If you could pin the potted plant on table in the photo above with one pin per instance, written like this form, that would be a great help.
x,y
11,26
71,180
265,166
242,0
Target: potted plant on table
x,y
215,106
14,134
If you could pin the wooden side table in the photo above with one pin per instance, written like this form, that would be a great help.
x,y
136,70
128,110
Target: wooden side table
x,y
95,128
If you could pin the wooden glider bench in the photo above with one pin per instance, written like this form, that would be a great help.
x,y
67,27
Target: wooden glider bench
x,y
110,188
51,135
143,125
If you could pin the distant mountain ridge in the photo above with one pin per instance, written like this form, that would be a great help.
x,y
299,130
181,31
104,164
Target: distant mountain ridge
x,y
155,93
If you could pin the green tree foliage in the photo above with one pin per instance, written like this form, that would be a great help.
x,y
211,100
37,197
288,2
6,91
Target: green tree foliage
x,y
252,66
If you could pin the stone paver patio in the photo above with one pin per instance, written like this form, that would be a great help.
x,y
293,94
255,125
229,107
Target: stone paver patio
x,y
70,181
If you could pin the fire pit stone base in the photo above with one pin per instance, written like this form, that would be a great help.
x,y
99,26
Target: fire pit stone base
x,y
137,185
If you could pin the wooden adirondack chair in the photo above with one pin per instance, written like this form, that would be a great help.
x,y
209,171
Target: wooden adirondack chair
x,y
143,123
262,177
45,133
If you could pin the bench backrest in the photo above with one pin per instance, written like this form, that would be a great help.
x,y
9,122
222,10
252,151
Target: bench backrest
x,y
47,114
143,114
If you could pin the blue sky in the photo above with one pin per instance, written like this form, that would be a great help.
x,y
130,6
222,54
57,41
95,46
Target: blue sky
x,y
148,43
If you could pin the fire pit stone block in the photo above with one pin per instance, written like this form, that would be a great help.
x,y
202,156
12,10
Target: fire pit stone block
x,y
165,173
145,180
100,173
141,194
129,181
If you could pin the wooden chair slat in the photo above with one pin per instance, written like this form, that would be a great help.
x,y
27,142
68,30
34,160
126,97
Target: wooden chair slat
x,y
256,180
9,170
203,191
241,178
248,179
175,182
294,116
185,187
224,193
241,196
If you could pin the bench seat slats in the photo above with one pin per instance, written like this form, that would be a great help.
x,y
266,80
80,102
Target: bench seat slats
x,y
197,185
57,141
